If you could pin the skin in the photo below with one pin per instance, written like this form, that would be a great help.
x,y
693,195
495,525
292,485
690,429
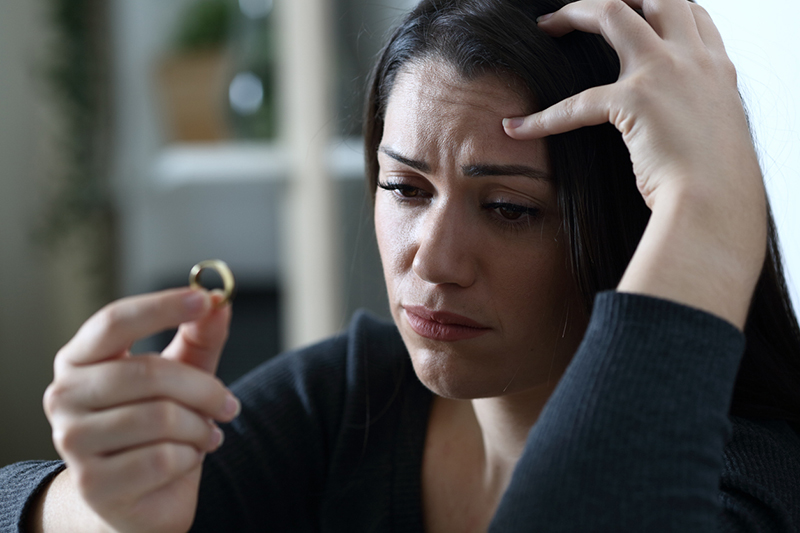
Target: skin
x,y
677,107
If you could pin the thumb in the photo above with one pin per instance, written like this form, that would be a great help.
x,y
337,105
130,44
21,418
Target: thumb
x,y
200,343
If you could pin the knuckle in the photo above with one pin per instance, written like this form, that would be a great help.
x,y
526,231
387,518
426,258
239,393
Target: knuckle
x,y
728,69
57,436
53,398
610,9
62,353
572,107
164,417
163,461
699,10
109,318
639,92
145,370
69,438
637,87
59,396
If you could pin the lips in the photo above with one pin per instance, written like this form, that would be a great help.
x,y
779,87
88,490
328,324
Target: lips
x,y
441,325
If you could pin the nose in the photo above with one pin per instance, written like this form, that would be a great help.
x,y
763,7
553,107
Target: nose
x,y
445,247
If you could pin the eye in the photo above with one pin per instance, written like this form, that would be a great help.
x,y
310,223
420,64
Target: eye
x,y
402,190
408,191
512,212
509,212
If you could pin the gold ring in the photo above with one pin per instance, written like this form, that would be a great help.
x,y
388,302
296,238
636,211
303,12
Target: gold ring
x,y
228,283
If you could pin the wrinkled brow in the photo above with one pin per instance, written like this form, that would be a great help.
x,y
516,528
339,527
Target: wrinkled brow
x,y
477,170
421,166
480,170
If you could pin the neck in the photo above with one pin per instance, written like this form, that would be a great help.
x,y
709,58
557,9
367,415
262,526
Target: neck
x,y
471,450
504,423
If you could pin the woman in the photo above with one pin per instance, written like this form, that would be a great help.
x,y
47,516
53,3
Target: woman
x,y
530,400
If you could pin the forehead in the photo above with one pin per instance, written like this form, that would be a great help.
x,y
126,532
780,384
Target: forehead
x,y
437,115
433,85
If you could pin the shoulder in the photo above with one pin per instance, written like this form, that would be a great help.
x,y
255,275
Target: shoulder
x,y
760,483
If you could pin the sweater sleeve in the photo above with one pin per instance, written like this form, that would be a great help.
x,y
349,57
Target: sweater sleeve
x,y
632,439
20,483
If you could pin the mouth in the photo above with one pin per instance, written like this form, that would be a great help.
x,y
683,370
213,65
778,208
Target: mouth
x,y
441,325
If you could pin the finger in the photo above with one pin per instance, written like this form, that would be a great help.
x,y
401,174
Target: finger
x,y
619,25
200,343
134,426
118,325
140,379
588,108
708,30
671,19
136,472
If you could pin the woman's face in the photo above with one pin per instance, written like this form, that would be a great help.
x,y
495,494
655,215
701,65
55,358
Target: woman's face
x,y
469,235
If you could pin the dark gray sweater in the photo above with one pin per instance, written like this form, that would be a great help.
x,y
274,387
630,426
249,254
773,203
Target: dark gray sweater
x,y
635,438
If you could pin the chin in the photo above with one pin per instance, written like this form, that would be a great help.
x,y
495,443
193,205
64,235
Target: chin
x,y
452,377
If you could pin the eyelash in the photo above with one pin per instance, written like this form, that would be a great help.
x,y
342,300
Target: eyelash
x,y
400,194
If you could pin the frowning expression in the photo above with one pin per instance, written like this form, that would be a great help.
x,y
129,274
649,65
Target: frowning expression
x,y
469,234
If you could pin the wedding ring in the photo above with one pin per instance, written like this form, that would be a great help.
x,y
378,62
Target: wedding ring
x,y
228,283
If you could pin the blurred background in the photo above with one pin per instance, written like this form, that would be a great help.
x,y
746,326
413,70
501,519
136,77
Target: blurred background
x,y
138,137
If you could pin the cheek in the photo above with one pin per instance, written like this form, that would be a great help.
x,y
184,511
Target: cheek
x,y
392,233
534,287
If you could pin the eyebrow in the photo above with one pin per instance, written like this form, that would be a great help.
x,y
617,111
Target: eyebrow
x,y
416,165
481,170
475,171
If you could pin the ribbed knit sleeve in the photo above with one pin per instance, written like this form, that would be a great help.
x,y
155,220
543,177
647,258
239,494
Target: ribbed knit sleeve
x,y
19,484
632,439
760,484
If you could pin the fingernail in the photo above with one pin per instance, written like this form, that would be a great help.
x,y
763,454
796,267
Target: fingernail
x,y
232,406
217,438
543,18
194,301
218,298
513,123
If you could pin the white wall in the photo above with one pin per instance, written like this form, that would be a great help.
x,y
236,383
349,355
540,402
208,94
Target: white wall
x,y
761,39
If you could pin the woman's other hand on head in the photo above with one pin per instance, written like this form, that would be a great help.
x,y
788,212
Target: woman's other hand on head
x,y
677,106
133,430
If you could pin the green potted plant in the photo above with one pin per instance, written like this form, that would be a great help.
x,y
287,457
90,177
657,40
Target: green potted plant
x,y
193,78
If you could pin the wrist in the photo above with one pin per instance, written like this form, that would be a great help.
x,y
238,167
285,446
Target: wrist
x,y
59,508
702,250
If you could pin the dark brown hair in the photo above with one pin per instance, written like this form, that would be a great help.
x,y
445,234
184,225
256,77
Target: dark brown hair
x,y
603,213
